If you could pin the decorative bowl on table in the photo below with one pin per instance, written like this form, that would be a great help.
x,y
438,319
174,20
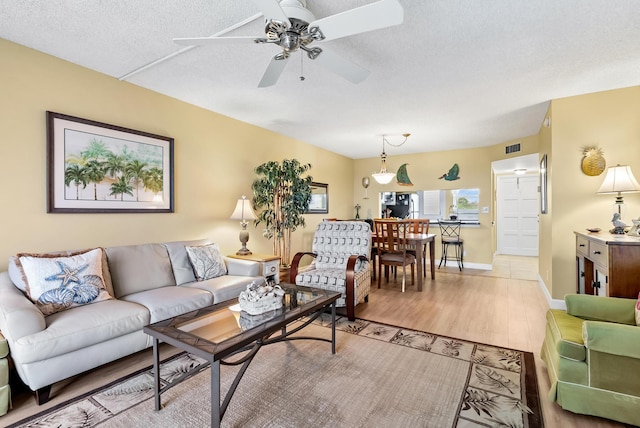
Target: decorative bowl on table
x,y
260,297
593,229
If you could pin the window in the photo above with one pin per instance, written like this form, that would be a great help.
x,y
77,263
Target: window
x,y
465,204
433,203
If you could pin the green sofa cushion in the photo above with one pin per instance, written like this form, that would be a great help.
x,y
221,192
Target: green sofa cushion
x,y
567,334
4,347
612,338
596,308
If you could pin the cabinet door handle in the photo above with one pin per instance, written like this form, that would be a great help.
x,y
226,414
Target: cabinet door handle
x,y
597,252
581,245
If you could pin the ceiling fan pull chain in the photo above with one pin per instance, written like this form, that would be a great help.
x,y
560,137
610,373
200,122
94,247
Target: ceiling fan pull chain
x,y
301,67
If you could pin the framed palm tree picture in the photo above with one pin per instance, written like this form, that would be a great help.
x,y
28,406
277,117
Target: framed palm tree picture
x,y
94,167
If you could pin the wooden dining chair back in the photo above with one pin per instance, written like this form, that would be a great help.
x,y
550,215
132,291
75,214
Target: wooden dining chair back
x,y
420,225
374,248
392,249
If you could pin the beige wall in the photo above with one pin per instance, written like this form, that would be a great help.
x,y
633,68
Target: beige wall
x,y
425,168
215,157
610,120
214,161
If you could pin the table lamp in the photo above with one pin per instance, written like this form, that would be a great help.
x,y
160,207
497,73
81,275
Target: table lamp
x,y
619,179
243,212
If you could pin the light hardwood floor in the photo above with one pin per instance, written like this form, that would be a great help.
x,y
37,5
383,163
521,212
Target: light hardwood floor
x,y
503,307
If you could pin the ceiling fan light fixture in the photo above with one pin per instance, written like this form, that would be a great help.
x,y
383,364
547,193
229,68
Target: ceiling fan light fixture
x,y
297,9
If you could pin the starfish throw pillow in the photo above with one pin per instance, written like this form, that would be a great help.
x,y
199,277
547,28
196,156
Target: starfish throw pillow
x,y
58,283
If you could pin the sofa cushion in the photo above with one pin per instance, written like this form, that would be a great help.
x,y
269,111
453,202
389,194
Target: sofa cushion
x,y
79,328
567,334
224,287
207,261
136,268
167,302
17,275
4,347
58,283
182,268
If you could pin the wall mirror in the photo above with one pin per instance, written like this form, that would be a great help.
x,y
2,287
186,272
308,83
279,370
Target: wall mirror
x,y
319,203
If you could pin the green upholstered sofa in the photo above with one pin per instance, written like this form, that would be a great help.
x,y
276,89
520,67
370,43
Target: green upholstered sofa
x,y
592,353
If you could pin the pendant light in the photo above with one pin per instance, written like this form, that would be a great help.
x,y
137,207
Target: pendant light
x,y
384,176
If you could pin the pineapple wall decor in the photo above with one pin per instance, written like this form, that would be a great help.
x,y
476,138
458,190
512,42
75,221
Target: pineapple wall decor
x,y
593,162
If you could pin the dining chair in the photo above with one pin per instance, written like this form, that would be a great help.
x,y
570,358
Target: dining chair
x,y
419,225
392,249
450,235
374,248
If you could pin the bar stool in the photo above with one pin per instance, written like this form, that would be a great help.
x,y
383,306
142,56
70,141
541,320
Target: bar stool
x,y
450,235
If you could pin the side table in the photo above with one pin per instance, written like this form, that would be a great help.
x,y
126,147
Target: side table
x,y
269,265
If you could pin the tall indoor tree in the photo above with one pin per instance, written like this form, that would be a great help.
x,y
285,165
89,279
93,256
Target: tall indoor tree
x,y
281,195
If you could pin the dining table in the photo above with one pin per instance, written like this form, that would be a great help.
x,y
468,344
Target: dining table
x,y
418,240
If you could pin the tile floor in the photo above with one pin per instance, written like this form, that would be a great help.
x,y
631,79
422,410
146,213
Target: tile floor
x,y
504,266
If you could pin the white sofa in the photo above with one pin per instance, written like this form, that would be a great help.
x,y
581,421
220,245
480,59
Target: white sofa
x,y
149,283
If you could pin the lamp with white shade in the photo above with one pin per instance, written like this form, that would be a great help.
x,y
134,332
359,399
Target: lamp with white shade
x,y
243,212
619,180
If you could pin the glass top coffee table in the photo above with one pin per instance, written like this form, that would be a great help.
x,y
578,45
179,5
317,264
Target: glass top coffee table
x,y
222,330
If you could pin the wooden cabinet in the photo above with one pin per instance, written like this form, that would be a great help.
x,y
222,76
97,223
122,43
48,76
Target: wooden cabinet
x,y
608,265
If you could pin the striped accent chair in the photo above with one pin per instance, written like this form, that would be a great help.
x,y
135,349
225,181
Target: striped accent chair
x,y
341,262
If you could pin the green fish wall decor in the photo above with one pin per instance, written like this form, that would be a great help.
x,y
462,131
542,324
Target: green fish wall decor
x,y
452,174
402,176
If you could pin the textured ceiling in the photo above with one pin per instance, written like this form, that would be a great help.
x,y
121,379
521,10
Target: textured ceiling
x,y
455,74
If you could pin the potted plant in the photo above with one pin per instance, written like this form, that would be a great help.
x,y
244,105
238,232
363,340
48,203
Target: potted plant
x,y
281,195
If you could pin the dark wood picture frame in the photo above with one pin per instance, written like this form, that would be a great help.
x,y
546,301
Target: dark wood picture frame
x,y
95,167
319,199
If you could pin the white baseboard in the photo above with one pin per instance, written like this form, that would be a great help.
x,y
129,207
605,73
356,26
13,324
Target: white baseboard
x,y
553,303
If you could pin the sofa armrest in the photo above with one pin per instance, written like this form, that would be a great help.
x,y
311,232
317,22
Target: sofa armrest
x,y
612,338
242,267
19,317
596,308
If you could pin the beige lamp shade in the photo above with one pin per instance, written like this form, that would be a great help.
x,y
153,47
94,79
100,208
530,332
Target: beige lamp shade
x,y
243,212
619,179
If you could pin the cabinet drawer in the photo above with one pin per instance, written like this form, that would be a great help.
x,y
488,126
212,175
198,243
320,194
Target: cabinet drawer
x,y
582,246
598,253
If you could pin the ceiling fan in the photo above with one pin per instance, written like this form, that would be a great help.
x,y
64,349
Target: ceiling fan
x,y
290,25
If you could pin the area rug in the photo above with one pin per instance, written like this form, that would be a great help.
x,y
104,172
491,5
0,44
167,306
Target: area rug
x,y
381,376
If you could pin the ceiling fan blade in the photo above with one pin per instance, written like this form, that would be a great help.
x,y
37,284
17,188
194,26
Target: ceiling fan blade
x,y
198,41
273,72
271,10
341,66
382,14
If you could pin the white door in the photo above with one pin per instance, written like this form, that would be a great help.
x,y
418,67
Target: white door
x,y
517,215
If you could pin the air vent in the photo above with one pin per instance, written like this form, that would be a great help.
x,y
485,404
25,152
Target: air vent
x,y
512,148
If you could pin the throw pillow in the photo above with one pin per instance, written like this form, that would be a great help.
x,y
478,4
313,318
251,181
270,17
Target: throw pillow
x,y
207,261
62,282
638,311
